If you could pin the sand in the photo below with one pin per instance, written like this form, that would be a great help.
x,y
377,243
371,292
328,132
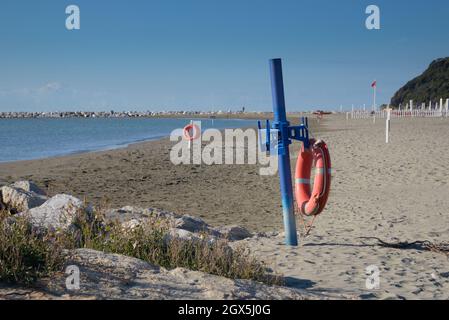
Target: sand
x,y
396,192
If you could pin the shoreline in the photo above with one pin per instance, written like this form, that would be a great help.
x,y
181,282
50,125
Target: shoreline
x,y
141,174
123,145
81,152
113,146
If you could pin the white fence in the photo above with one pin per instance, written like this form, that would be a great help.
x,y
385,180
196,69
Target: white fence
x,y
437,110
360,114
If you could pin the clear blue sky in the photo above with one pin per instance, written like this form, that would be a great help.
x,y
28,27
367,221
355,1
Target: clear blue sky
x,y
211,54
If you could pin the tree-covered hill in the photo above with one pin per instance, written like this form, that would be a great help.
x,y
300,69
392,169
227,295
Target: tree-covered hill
x,y
431,85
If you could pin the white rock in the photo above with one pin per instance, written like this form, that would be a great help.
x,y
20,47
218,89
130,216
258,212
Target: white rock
x,y
18,199
57,213
139,215
125,214
194,224
29,186
182,234
234,233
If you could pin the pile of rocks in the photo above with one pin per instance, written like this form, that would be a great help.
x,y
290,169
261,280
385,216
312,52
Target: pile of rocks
x,y
113,276
61,211
21,196
55,213
183,226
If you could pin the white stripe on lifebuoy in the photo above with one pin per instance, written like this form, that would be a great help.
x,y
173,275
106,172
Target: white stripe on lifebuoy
x,y
302,181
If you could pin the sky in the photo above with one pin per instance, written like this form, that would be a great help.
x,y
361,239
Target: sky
x,y
212,55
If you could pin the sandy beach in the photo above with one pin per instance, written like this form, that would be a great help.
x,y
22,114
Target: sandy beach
x,y
395,192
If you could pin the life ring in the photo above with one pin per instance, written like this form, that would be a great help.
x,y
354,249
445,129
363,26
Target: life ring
x,y
312,202
195,132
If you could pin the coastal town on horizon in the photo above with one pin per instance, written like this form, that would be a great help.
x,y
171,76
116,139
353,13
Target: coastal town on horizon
x,y
123,114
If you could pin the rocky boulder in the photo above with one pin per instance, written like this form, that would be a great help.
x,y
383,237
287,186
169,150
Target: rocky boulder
x,y
28,186
17,199
183,226
234,233
129,213
194,224
57,213
181,234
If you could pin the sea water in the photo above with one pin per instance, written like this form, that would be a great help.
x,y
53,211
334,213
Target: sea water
x,y
26,139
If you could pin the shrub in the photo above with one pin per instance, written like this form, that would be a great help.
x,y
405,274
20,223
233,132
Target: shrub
x,y
26,256
150,242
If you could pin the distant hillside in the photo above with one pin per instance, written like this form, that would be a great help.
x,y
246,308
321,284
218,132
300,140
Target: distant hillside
x,y
433,84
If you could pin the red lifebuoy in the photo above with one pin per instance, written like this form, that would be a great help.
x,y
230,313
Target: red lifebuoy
x,y
195,132
312,202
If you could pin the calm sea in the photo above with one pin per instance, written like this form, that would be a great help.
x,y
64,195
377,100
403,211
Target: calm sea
x,y
25,139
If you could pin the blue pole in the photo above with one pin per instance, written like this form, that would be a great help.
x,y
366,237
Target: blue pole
x,y
281,123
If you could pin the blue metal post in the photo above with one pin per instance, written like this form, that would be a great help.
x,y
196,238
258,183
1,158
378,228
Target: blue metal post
x,y
281,123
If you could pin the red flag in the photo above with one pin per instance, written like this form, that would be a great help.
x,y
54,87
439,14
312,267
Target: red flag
x,y
374,84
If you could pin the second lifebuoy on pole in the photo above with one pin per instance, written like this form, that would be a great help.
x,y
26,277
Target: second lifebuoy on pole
x,y
311,202
195,132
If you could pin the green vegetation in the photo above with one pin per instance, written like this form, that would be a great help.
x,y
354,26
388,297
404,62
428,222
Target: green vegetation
x,y
432,85
26,256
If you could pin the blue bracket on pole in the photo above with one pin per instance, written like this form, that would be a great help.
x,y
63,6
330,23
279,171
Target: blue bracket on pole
x,y
267,144
286,134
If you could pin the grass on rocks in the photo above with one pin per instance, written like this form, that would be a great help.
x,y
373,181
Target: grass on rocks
x,y
26,256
